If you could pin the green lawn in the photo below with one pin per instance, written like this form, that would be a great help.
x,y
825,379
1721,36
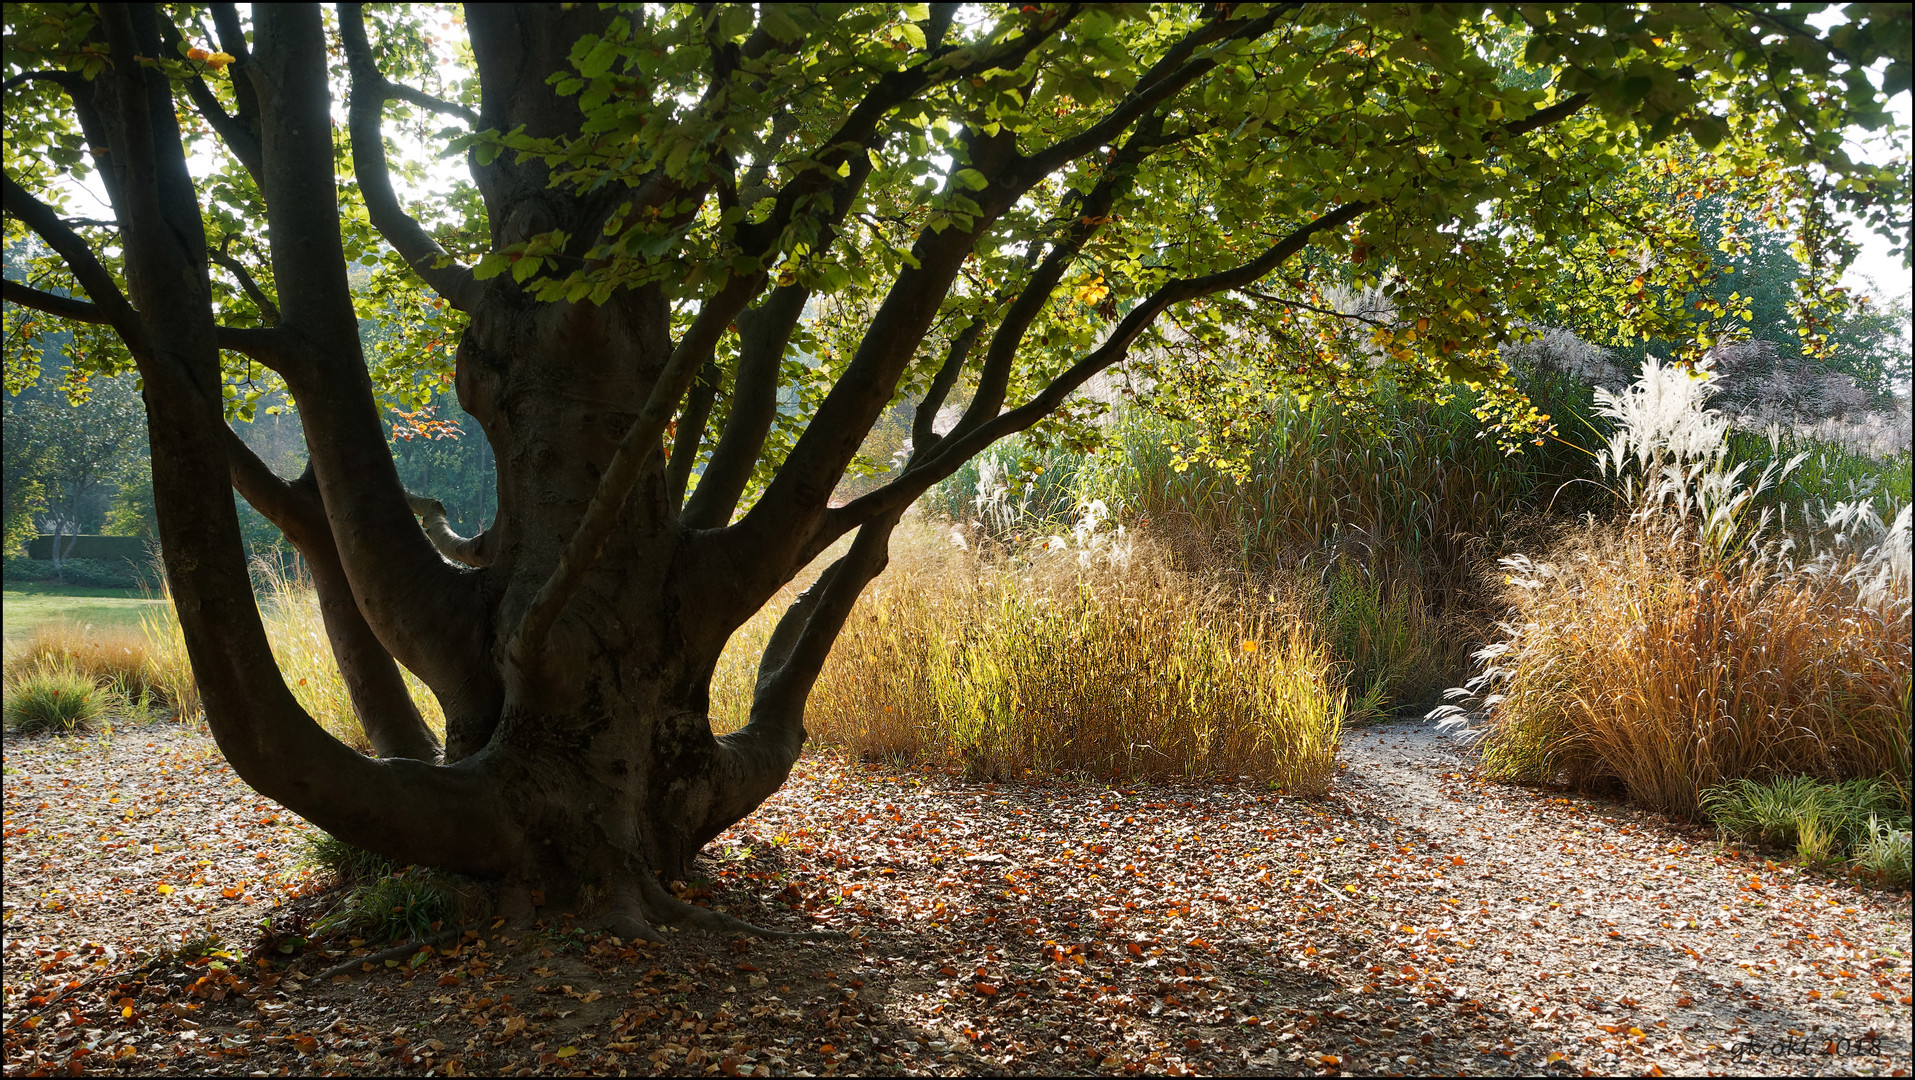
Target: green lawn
x,y
29,605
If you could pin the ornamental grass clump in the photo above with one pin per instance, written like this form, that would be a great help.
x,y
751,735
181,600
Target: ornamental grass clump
x,y
1083,654
54,695
384,900
111,657
1698,643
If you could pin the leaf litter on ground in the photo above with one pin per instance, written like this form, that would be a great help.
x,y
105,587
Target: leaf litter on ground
x,y
1416,921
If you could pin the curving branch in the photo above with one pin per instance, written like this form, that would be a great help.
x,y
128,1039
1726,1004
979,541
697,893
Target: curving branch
x,y
1088,217
755,759
264,346
430,103
232,42
380,700
238,269
431,616
92,275
402,807
370,92
1170,74
469,550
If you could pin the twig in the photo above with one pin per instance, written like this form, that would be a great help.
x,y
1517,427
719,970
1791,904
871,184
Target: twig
x,y
393,953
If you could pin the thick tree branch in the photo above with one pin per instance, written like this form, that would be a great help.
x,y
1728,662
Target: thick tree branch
x,y
370,91
240,136
923,424
431,616
65,307
526,647
690,433
403,808
756,759
763,334
380,700
959,447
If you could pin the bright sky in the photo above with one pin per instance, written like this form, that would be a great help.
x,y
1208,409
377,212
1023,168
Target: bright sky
x,y
1875,271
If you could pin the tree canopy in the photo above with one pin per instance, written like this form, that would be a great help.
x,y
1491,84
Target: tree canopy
x,y
697,251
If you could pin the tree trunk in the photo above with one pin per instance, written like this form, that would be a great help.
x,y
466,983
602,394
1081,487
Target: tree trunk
x,y
573,645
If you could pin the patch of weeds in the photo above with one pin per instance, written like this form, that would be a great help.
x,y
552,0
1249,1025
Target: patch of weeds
x,y
200,944
1819,819
387,901
287,936
1885,853
54,695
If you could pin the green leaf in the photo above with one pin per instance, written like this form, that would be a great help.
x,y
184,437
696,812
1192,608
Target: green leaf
x,y
972,179
778,24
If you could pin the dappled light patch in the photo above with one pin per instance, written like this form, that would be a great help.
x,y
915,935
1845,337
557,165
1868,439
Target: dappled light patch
x,y
1418,921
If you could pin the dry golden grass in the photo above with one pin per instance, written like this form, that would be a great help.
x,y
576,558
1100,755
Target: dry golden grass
x,y
1098,660
114,657
1638,660
153,659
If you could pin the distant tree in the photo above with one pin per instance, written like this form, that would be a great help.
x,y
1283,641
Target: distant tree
x,y
26,495
81,439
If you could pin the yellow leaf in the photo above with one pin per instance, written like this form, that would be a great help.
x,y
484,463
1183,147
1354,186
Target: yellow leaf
x,y
567,1051
166,890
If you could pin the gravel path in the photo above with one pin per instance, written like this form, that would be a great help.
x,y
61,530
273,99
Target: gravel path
x,y
1618,938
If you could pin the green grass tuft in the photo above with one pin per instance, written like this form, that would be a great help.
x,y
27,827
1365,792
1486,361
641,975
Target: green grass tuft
x,y
386,901
1819,819
54,695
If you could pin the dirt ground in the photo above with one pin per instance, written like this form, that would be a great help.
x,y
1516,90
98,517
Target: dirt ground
x,y
1417,921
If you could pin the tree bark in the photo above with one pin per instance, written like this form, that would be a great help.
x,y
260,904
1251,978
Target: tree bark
x,y
572,644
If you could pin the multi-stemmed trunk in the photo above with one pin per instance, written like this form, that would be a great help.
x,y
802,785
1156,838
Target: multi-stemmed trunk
x,y
571,645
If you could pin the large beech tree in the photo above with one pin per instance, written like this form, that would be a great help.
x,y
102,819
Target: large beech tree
x,y
696,251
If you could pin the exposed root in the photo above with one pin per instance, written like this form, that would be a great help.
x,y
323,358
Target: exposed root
x,y
627,919
632,927
377,959
672,911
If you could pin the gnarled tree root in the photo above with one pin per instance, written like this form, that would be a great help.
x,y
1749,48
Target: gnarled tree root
x,y
633,917
377,959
